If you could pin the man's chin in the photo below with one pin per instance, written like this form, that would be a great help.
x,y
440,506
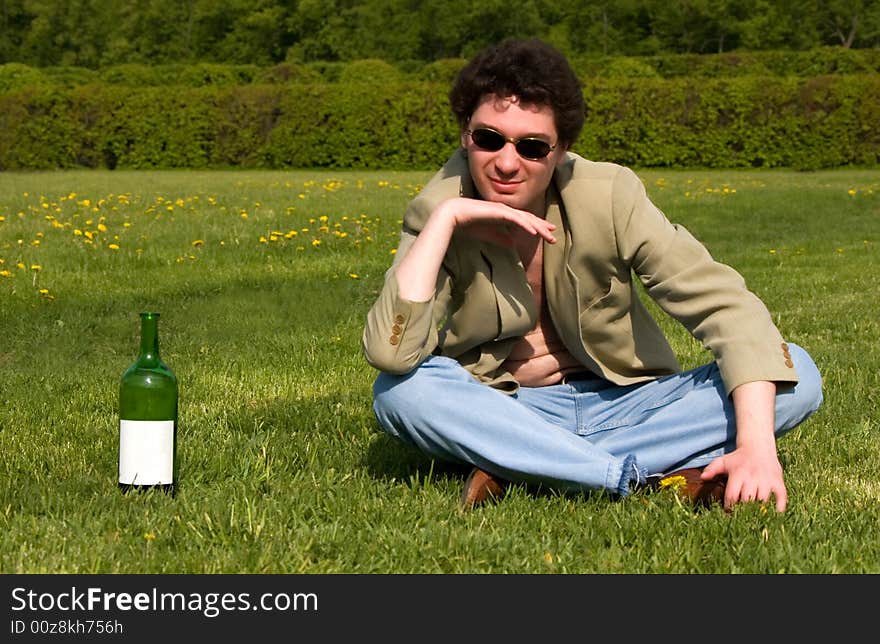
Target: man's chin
x,y
507,199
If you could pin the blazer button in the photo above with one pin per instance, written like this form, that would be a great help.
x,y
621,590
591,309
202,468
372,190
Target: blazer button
x,y
785,347
399,319
396,329
789,364
394,339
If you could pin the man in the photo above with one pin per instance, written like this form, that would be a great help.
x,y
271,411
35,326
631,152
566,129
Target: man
x,y
510,337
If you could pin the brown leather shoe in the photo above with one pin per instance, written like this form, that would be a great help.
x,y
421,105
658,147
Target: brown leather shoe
x,y
689,485
480,487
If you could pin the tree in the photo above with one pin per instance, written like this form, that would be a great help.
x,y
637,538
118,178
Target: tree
x,y
846,22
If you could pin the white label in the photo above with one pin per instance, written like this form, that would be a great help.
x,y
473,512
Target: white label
x,y
146,452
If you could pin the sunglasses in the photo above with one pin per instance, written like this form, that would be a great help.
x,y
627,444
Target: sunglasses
x,y
527,147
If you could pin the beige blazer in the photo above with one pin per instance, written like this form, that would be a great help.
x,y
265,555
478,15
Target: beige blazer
x,y
608,233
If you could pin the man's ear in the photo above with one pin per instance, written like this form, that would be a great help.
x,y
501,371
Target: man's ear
x,y
561,153
464,140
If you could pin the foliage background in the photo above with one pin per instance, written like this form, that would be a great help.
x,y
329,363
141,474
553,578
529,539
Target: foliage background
x,y
362,84
97,33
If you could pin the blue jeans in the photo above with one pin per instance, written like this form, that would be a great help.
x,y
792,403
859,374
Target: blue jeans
x,y
589,434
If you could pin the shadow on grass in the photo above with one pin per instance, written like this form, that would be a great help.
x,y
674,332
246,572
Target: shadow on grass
x,y
388,459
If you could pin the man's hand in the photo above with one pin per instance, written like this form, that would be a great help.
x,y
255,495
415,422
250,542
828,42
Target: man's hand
x,y
751,476
753,469
496,222
487,220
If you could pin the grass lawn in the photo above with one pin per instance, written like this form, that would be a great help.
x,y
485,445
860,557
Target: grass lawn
x,y
263,279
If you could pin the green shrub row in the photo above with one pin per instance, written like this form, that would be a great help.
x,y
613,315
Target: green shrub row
x,y
820,122
801,64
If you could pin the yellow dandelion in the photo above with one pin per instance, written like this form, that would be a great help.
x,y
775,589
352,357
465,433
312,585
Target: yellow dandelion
x,y
77,231
198,242
44,291
149,536
316,242
354,276
2,218
290,234
244,215
5,273
102,228
394,251
20,266
126,224
673,481
548,558
36,267
113,246
852,192
89,234
263,240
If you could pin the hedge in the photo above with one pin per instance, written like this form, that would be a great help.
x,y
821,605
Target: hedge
x,y
800,64
749,121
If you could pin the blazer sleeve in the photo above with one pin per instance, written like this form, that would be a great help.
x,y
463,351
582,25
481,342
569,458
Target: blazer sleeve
x,y
399,333
709,298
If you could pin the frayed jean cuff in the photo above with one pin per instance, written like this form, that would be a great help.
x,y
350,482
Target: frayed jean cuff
x,y
630,476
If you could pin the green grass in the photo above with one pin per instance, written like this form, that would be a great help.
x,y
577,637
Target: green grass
x,y
282,468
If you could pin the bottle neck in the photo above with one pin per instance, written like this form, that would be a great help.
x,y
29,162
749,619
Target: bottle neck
x,y
149,337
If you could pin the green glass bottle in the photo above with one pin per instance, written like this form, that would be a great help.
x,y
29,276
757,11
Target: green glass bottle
x,y
148,417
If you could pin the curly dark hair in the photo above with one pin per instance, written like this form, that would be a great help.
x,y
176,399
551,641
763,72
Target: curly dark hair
x,y
530,69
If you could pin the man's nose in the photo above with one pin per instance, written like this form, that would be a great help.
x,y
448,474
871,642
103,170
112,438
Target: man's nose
x,y
507,159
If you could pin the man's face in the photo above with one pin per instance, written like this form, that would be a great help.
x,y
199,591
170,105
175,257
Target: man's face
x,y
504,175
